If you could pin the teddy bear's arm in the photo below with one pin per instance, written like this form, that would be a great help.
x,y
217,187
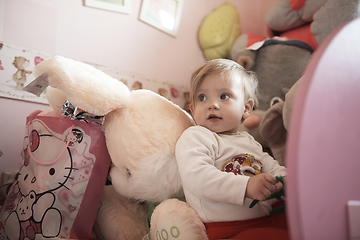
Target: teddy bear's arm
x,y
43,203
289,14
333,14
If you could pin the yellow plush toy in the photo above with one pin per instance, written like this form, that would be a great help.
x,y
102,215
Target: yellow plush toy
x,y
218,31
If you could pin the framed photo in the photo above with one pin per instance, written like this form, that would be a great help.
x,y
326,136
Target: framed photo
x,y
162,14
122,6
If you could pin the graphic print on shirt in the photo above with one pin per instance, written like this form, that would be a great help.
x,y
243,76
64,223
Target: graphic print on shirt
x,y
243,164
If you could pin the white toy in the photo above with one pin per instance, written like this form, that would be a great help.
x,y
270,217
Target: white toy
x,y
141,129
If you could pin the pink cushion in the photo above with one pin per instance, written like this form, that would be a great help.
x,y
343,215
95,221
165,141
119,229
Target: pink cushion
x,y
324,139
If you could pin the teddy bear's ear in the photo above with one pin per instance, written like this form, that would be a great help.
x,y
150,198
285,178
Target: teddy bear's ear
x,y
273,130
246,62
271,126
84,86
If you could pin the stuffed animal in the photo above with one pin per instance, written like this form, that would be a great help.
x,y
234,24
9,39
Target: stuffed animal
x,y
19,76
278,64
310,20
175,219
120,217
141,129
218,31
275,123
297,28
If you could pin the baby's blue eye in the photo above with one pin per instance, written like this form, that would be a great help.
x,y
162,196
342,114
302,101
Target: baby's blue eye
x,y
202,98
224,96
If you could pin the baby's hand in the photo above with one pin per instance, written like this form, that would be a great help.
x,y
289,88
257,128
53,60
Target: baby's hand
x,y
262,186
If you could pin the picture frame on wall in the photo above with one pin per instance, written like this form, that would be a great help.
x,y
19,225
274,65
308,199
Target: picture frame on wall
x,y
122,6
164,15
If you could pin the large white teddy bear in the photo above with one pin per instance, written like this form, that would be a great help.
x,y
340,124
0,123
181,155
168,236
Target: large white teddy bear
x,y
141,129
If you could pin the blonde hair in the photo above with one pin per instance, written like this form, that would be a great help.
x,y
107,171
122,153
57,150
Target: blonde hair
x,y
225,66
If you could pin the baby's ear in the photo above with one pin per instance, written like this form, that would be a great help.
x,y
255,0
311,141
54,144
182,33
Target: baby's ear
x,y
249,105
191,106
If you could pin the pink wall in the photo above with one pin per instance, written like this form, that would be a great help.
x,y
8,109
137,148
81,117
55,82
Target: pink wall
x,y
116,40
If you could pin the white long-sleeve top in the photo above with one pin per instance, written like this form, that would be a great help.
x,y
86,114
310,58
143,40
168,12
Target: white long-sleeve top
x,y
211,169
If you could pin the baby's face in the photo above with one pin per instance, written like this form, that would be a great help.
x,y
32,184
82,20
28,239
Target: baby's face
x,y
219,103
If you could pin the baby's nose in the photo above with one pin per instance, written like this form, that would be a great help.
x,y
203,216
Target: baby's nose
x,y
214,105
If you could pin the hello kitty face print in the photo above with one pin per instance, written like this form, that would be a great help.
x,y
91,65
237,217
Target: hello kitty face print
x,y
48,163
51,184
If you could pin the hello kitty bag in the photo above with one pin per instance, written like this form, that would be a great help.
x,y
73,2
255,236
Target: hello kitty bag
x,y
63,169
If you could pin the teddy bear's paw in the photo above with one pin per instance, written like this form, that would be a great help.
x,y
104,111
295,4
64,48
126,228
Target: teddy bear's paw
x,y
252,121
119,217
175,219
284,16
332,15
12,226
51,224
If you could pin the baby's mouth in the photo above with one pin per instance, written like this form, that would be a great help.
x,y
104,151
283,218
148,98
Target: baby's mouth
x,y
213,117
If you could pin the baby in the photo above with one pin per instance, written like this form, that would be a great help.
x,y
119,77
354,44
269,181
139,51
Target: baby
x,y
216,161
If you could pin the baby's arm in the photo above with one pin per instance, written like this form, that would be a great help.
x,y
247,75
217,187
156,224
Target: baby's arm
x,y
262,186
195,151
